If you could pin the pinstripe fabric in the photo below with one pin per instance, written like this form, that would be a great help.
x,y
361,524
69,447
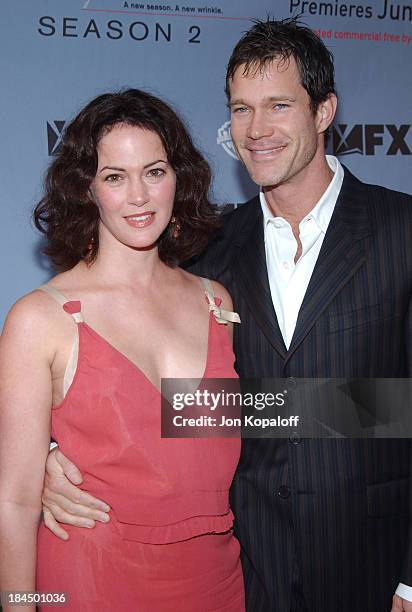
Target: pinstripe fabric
x,y
346,519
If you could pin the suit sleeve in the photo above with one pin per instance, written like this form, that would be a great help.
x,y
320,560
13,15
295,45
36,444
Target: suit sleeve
x,y
406,576
212,262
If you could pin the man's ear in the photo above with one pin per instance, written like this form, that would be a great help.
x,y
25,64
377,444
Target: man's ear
x,y
326,112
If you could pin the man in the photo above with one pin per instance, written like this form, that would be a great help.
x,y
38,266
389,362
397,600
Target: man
x,y
320,270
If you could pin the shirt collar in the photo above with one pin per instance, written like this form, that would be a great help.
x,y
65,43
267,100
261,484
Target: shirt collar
x,y
322,212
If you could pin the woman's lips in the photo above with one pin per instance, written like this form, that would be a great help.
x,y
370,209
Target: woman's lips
x,y
140,221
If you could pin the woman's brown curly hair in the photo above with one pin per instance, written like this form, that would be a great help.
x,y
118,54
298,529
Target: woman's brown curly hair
x,y
68,216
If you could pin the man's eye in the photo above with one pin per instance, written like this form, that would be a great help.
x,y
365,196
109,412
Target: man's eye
x,y
280,106
239,109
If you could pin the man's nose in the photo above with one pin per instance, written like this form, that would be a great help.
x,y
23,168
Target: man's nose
x,y
259,127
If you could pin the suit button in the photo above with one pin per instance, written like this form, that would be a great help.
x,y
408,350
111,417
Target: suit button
x,y
284,491
295,438
291,382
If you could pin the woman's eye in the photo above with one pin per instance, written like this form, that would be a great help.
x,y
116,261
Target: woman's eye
x,y
156,172
112,178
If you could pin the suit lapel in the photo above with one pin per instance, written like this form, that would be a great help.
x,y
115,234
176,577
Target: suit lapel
x,y
343,252
250,274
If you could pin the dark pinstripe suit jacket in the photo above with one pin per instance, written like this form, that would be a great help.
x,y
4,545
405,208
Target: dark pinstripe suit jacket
x,y
343,516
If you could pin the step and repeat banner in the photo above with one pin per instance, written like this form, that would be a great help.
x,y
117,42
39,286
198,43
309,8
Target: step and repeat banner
x,y
58,54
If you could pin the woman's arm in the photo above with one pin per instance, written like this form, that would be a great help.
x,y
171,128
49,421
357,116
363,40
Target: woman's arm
x,y
25,402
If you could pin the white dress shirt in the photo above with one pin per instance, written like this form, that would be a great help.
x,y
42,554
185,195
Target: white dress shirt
x,y
288,280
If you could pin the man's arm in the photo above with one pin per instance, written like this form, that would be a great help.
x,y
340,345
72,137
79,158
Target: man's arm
x,y
402,600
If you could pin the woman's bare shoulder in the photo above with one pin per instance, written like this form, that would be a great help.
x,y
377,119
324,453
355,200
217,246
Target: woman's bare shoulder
x,y
33,319
31,309
219,290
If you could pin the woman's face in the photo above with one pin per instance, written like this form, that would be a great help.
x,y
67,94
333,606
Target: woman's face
x,y
134,186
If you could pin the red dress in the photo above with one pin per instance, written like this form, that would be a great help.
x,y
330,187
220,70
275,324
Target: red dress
x,y
169,545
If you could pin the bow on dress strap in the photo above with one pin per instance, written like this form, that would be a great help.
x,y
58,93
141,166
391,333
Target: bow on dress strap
x,y
221,315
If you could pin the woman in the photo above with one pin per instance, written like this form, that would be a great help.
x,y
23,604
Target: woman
x,y
125,199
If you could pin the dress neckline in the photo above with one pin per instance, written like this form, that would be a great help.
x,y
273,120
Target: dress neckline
x,y
138,370
136,367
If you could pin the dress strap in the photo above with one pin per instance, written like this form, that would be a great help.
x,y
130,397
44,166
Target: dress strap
x,y
221,315
72,307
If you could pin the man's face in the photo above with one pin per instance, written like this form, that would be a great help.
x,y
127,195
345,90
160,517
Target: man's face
x,y
274,130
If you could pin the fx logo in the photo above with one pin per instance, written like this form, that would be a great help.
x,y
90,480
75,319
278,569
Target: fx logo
x,y
54,135
363,139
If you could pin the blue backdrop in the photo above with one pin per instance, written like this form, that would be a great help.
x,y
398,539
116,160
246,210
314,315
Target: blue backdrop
x,y
56,55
